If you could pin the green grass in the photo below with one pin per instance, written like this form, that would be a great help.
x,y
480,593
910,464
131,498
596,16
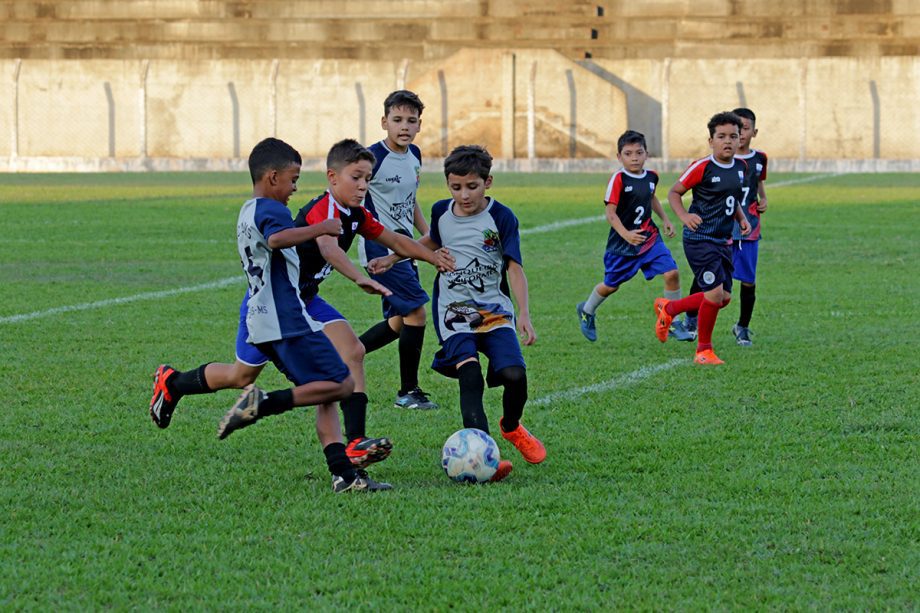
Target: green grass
x,y
790,478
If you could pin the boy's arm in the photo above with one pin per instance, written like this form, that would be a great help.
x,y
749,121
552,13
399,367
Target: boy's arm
x,y
665,220
692,221
761,198
633,237
743,223
295,236
338,259
418,219
518,282
407,247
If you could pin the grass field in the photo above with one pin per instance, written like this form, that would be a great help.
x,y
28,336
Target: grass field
x,y
789,478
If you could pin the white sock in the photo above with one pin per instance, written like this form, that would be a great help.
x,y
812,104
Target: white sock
x,y
672,294
593,301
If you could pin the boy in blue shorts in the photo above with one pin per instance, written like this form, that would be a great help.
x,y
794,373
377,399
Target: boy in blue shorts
x,y
717,182
472,310
391,199
634,242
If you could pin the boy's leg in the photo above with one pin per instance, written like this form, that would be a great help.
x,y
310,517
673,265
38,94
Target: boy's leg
x,y
411,341
344,473
472,386
672,293
744,260
381,334
586,310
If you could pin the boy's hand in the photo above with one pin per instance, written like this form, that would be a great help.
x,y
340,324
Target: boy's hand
x,y
332,227
525,328
692,221
372,287
745,227
382,264
634,237
761,205
445,261
667,228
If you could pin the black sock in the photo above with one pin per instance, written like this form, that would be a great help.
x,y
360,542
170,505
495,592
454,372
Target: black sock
x,y
472,387
747,305
354,411
377,336
514,396
694,289
338,463
411,339
277,402
189,382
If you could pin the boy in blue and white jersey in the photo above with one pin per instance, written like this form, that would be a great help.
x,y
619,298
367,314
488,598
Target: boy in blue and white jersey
x,y
391,199
473,312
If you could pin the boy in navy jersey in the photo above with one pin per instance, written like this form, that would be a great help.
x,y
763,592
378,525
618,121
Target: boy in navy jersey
x,y
633,242
473,312
717,182
349,169
391,199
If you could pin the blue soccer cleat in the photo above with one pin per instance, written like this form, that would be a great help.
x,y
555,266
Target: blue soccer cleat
x,y
586,321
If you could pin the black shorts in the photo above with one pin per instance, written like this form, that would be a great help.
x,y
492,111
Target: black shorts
x,y
711,264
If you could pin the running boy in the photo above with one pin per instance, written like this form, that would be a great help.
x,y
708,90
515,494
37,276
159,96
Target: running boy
x,y
633,242
349,168
473,312
391,200
717,182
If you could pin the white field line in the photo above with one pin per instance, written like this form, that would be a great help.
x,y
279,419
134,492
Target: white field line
x,y
607,386
550,227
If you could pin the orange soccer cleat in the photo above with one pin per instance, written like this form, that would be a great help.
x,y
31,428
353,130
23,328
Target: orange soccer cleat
x,y
525,442
663,321
707,357
504,469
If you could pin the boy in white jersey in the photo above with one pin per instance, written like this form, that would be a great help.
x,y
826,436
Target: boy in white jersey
x,y
472,311
391,199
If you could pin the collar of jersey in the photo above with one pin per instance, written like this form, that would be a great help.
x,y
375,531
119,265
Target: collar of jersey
x,y
747,156
385,146
342,209
629,174
450,209
713,159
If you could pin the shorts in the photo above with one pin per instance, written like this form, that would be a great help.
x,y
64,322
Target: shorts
x,y
501,346
322,311
306,358
618,269
402,279
744,260
711,264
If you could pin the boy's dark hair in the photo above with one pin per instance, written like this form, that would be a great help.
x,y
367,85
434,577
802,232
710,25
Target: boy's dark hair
x,y
631,137
403,97
746,113
720,119
347,152
271,154
468,159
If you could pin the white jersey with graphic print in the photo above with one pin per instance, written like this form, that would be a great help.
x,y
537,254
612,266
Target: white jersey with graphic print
x,y
475,297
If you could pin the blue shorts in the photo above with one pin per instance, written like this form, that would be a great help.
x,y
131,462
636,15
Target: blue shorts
x,y
306,358
408,295
711,264
501,346
744,259
618,269
322,311
247,353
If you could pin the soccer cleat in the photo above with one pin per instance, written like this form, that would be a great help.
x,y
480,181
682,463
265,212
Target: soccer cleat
x,y
365,451
663,321
525,442
504,469
586,321
742,335
244,413
679,331
162,404
707,357
373,486
361,483
690,326
414,399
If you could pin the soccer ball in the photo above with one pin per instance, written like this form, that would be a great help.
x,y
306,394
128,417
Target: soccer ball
x,y
470,456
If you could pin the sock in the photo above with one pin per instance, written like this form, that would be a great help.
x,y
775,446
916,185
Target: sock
x,y
593,301
411,339
685,305
694,289
747,305
354,411
672,294
514,379
338,463
378,335
276,403
472,387
708,313
189,382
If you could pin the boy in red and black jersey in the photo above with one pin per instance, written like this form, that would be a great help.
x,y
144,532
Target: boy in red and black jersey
x,y
717,182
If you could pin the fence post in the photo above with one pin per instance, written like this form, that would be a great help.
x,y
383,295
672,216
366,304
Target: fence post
x,y
532,113
508,104
402,73
666,113
803,109
14,133
142,107
273,97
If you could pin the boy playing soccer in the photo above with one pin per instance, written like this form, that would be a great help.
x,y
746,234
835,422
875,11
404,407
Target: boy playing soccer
x,y
349,168
391,200
717,182
473,312
633,242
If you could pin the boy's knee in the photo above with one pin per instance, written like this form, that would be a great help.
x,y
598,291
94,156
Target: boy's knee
x,y
513,375
416,317
356,352
244,375
672,278
346,388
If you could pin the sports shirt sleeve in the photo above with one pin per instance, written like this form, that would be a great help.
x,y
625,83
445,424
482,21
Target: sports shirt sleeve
x,y
763,173
614,189
508,232
694,173
271,217
437,209
369,228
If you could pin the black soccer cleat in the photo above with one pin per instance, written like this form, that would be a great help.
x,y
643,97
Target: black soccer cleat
x,y
162,403
244,413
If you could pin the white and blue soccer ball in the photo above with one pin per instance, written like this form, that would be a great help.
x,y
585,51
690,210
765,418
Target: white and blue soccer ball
x,y
470,456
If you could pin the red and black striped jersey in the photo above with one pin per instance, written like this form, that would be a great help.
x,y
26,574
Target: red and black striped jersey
x,y
632,195
717,190
756,172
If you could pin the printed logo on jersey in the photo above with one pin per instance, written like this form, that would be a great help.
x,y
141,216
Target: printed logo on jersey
x,y
354,225
759,168
717,179
477,317
405,209
472,275
651,185
394,179
709,277
628,188
490,241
